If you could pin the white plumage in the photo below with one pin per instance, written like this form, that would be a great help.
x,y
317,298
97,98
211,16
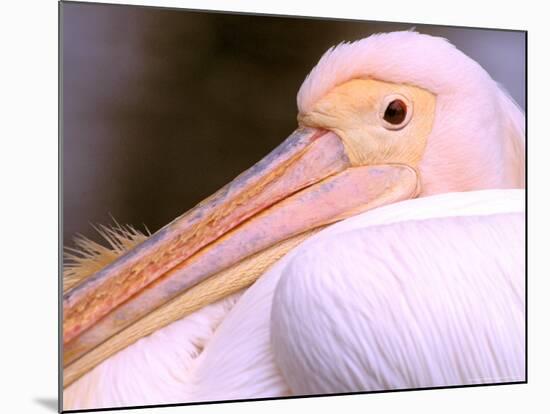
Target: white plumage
x,y
426,292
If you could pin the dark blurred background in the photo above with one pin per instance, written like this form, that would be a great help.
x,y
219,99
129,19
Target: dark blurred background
x,y
161,107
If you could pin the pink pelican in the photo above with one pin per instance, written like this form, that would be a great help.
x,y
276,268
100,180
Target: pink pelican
x,y
386,235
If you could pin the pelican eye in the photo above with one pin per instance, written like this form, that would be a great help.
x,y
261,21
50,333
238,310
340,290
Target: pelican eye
x,y
396,112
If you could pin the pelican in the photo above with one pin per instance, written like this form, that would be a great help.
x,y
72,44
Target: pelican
x,y
380,246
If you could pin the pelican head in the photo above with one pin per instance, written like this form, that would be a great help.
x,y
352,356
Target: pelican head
x,y
454,124
387,118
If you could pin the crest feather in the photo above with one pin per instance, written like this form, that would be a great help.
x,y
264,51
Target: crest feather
x,y
409,57
88,257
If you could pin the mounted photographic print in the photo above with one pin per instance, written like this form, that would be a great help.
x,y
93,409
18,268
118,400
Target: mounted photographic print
x,y
274,206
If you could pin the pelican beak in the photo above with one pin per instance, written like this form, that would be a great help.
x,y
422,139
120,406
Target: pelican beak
x,y
306,182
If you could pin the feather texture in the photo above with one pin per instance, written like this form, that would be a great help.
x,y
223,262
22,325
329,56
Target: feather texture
x,y
414,304
224,351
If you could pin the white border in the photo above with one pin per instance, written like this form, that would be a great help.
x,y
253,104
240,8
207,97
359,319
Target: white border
x,y
28,174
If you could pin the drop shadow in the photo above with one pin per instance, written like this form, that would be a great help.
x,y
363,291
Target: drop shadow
x,y
49,403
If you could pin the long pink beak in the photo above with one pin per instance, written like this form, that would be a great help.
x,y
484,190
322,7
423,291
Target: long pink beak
x,y
306,182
